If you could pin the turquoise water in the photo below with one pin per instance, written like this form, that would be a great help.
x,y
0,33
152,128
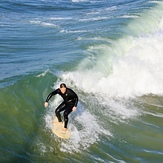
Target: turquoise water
x,y
109,52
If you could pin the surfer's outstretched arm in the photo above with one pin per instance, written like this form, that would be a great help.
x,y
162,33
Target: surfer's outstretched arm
x,y
51,94
49,97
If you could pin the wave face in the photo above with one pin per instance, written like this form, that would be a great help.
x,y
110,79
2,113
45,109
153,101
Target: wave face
x,y
109,53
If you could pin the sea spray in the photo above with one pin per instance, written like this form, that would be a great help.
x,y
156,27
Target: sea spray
x,y
129,67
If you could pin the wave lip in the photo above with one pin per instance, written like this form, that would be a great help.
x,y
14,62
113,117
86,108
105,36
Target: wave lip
x,y
128,67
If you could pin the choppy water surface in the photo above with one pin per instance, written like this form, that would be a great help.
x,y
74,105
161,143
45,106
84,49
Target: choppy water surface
x,y
110,53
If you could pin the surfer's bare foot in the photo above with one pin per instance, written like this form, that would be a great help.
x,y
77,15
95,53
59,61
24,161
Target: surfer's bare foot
x,y
64,129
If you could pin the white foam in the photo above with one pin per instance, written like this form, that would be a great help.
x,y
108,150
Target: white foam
x,y
85,136
61,18
84,127
75,31
79,0
124,69
161,24
135,70
94,19
43,23
42,74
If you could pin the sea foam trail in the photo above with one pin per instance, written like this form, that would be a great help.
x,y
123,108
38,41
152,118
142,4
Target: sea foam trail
x,y
83,133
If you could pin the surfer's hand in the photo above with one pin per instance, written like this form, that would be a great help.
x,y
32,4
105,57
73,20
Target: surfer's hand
x,y
46,104
74,108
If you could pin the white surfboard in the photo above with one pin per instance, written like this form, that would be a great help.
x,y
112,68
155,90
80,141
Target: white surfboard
x,y
57,129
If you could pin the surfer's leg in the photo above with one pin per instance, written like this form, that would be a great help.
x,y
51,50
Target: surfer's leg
x,y
60,108
66,113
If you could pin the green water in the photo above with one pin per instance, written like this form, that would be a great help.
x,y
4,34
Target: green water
x,y
25,136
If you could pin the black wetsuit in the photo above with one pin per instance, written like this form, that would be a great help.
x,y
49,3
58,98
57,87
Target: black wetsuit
x,y
70,100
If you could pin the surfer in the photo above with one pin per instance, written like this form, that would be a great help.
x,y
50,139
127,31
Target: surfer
x,y
69,104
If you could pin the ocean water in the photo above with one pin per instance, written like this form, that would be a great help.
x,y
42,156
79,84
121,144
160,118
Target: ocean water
x,y
109,52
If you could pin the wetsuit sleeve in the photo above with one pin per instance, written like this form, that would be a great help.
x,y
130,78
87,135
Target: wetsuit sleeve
x,y
51,94
76,101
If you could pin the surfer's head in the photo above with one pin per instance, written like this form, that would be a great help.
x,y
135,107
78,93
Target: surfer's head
x,y
63,87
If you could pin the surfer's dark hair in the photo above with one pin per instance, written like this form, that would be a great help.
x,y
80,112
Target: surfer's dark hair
x,y
63,85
